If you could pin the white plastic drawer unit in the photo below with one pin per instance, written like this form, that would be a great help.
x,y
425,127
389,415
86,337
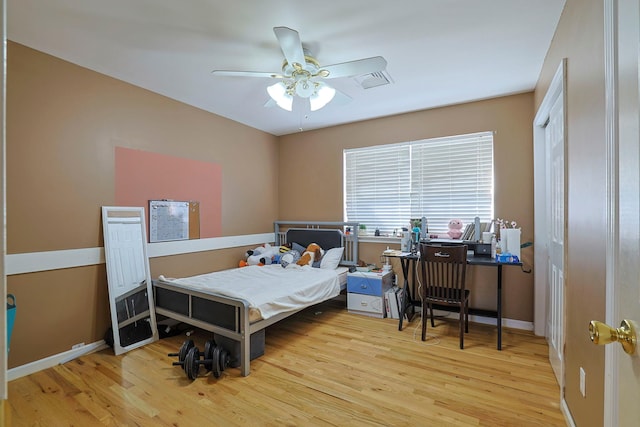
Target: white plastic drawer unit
x,y
365,292
365,304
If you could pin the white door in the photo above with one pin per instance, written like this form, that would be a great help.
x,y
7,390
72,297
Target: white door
x,y
549,186
554,136
622,370
3,232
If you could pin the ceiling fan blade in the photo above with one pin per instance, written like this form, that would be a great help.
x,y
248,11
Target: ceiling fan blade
x,y
341,98
228,73
357,67
290,44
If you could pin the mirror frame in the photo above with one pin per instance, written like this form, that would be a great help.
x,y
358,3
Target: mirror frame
x,y
123,292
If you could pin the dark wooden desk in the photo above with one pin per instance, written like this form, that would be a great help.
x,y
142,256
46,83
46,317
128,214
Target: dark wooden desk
x,y
410,261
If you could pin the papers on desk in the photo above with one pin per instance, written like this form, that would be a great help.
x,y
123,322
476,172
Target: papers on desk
x,y
395,253
392,252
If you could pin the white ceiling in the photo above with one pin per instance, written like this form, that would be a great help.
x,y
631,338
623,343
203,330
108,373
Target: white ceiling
x,y
439,52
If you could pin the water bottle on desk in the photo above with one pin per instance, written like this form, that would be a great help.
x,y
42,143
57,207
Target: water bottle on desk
x,y
405,243
493,246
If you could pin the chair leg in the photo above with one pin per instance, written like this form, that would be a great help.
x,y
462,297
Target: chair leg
x,y
466,317
424,321
433,325
461,327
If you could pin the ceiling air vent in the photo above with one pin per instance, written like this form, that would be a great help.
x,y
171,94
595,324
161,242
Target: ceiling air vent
x,y
379,78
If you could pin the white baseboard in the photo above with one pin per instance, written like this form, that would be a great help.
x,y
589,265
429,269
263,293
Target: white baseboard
x,y
567,414
56,359
507,323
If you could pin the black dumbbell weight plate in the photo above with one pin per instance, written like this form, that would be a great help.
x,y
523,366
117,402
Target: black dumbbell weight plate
x,y
184,349
182,353
215,363
224,359
192,363
208,352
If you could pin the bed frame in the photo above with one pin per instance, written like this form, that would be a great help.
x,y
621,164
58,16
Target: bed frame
x,y
229,317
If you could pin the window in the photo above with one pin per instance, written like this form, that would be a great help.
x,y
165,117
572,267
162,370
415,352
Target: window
x,y
440,178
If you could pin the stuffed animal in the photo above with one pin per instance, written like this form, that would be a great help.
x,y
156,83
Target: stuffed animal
x,y
313,254
245,262
455,229
262,255
285,248
289,258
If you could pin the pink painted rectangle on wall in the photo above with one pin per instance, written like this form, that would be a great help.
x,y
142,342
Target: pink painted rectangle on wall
x,y
142,176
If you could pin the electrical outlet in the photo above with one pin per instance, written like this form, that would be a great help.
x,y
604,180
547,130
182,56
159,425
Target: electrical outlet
x,y
73,347
583,380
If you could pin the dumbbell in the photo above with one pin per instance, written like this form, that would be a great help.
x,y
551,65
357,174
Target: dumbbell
x,y
221,360
215,358
182,354
191,363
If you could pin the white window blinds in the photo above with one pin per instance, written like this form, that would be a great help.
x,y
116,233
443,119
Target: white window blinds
x,y
440,178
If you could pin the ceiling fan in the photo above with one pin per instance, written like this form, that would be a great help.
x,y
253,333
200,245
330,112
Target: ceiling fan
x,y
302,75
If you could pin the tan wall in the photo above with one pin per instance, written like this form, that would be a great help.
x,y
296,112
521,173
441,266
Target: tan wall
x,y
579,38
63,123
314,159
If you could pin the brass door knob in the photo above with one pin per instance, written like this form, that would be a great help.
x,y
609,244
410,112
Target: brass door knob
x,y
601,334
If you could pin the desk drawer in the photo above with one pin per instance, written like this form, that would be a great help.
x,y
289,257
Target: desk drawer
x,y
365,304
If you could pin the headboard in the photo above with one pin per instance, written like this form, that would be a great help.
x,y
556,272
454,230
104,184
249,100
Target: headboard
x,y
326,234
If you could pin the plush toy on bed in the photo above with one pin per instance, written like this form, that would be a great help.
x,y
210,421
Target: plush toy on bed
x,y
313,254
455,229
262,255
289,257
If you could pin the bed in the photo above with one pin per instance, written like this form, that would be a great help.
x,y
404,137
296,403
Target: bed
x,y
238,304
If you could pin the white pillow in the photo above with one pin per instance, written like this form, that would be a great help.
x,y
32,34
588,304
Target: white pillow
x,y
331,258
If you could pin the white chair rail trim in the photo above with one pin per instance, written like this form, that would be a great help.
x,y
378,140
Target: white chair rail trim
x,y
53,260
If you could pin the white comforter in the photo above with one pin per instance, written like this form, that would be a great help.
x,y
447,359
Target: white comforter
x,y
271,289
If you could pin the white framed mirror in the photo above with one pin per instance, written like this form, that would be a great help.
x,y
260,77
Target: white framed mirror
x,y
133,319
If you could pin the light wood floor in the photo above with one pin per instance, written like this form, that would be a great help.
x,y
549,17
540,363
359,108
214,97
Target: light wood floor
x,y
322,366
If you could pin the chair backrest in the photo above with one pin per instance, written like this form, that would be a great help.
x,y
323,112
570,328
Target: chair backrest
x,y
443,271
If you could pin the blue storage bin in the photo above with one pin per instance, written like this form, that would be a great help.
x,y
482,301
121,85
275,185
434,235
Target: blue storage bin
x,y
370,283
11,317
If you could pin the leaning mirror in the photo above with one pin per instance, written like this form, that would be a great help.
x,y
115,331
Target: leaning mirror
x,y
133,320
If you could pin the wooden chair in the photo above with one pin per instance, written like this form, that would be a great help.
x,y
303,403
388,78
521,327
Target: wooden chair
x,y
442,282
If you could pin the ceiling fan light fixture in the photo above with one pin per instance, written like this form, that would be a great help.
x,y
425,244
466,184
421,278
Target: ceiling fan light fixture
x,y
302,74
278,92
323,95
305,88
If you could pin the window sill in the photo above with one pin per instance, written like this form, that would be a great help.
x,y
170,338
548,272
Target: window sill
x,y
378,239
